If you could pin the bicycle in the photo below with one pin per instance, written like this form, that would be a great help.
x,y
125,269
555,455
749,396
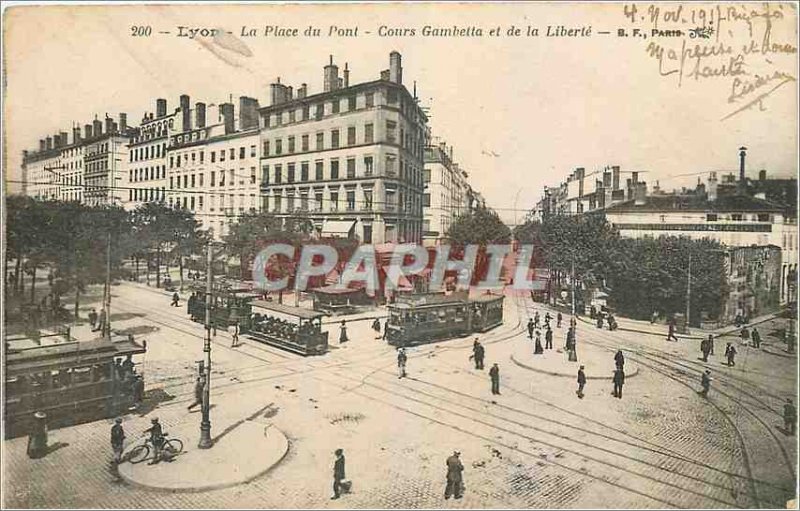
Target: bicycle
x,y
169,449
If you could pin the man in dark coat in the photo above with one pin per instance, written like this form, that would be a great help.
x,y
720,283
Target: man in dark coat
x,y
581,382
343,332
156,438
536,319
175,299
494,374
710,344
671,334
705,382
338,473
454,476
478,354
756,338
730,353
548,339
705,348
199,387
117,439
530,328
93,319
789,417
619,381
619,360
402,358
559,317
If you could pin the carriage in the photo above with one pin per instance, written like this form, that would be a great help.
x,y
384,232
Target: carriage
x,y
418,319
290,328
71,382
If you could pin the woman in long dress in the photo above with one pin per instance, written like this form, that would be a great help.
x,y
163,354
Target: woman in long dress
x,y
343,333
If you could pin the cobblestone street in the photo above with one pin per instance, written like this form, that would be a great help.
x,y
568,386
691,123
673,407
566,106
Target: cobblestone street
x,y
535,445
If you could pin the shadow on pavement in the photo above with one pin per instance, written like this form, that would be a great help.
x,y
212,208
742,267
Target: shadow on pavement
x,y
153,398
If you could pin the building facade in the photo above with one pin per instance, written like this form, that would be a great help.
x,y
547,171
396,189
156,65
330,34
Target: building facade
x,y
350,157
147,157
446,195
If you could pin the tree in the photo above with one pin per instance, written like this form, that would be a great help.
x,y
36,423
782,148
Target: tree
x,y
481,227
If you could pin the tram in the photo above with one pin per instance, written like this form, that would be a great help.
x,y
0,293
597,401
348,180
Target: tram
x,y
419,319
71,382
290,328
231,302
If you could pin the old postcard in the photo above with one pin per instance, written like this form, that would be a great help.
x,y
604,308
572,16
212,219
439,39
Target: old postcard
x,y
400,255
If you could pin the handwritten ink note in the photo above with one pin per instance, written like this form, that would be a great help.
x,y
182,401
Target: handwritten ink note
x,y
748,49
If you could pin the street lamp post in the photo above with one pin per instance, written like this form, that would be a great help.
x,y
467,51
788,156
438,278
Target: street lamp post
x,y
688,292
205,423
107,301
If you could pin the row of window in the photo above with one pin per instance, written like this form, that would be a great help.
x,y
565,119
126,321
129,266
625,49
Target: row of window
x,y
148,152
225,177
291,173
195,156
143,174
734,217
146,194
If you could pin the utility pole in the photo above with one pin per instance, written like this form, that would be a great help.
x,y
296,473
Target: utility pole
x,y
688,292
205,424
107,324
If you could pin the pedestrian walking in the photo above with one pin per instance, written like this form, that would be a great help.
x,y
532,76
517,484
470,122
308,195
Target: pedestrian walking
x,y
138,389
175,298
619,381
536,319
745,335
600,321
455,481
730,353
654,318
494,374
789,417
93,319
376,326
671,334
338,474
530,328
101,321
117,439
402,358
710,344
548,339
385,329
559,317
581,382
477,354
199,387
705,349
343,332
705,382
756,338
619,360
233,330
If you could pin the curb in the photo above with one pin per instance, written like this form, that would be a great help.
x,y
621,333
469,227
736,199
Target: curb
x,y
211,487
562,375
778,352
646,332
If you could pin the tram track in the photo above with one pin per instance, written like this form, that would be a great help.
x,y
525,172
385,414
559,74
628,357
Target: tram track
x,y
660,364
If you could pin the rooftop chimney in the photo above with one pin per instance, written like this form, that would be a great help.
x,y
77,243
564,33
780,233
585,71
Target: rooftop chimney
x,y
742,154
302,91
109,124
640,194
277,92
49,142
123,122
161,107
97,127
56,141
385,75
615,177
87,131
762,175
248,113
226,110
395,68
200,115
346,76
289,93
331,81
634,177
186,112
712,186
76,134
42,144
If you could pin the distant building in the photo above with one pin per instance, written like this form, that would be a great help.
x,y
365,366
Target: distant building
x,y
349,157
147,157
754,277
446,195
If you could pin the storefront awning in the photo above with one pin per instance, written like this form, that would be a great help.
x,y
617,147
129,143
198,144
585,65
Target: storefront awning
x,y
338,227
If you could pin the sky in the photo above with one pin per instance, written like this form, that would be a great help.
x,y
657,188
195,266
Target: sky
x,y
520,111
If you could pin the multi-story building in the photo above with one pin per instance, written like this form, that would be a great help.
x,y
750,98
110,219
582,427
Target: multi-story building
x,y
583,192
350,157
89,170
213,169
147,157
446,192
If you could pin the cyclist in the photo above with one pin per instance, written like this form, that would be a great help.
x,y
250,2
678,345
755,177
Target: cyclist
x,y
156,438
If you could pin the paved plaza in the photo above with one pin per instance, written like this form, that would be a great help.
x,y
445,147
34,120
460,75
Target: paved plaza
x,y
534,445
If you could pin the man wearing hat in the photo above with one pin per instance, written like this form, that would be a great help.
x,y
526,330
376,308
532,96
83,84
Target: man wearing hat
x,y
117,439
581,382
156,438
454,479
338,473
